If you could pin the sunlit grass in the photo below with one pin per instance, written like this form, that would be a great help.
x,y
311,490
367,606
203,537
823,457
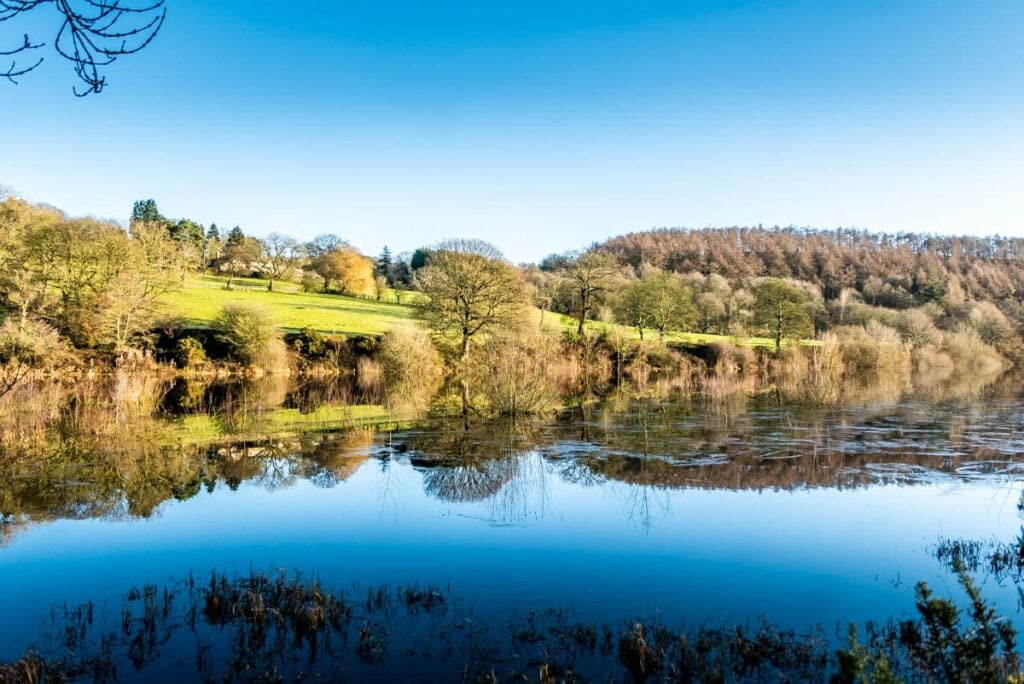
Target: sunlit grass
x,y
205,429
203,297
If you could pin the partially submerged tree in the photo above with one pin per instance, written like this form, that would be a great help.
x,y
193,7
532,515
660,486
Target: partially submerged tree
x,y
93,34
470,290
27,345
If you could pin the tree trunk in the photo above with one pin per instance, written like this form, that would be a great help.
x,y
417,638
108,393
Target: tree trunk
x,y
463,382
584,306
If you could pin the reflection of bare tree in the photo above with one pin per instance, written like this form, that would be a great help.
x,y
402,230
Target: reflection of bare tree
x,y
470,482
647,505
492,462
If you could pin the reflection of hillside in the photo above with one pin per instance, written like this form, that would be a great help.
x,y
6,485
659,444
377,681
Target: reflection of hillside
x,y
505,466
68,484
782,448
819,470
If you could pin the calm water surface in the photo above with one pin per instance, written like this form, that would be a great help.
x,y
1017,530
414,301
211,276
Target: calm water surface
x,y
801,516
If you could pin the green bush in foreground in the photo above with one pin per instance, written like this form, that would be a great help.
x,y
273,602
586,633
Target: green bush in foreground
x,y
250,334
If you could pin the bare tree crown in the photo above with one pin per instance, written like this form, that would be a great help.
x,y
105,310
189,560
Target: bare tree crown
x,y
92,35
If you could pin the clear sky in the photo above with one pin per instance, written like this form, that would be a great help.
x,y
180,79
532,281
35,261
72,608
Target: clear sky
x,y
540,126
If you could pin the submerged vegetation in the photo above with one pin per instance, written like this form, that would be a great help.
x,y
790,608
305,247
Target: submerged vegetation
x,y
283,627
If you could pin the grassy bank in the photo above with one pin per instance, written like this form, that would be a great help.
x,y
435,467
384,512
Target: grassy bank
x,y
202,298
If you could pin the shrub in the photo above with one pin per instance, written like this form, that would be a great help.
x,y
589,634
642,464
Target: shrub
x,y
310,343
729,359
250,334
310,282
968,350
516,371
189,353
32,343
873,347
917,328
411,367
989,323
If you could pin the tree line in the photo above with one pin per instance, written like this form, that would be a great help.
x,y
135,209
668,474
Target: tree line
x,y
99,284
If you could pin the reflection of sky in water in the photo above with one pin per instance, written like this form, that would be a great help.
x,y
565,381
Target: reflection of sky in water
x,y
609,549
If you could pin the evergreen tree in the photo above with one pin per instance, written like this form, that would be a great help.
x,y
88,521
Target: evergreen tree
x,y
236,237
213,233
419,259
187,230
384,265
147,212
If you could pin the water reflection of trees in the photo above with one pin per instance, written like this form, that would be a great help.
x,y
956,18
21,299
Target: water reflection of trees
x,y
83,468
773,447
492,462
90,484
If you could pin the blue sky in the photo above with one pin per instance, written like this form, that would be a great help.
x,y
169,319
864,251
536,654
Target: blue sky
x,y
540,126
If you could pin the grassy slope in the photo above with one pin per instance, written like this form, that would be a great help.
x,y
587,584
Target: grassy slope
x,y
203,296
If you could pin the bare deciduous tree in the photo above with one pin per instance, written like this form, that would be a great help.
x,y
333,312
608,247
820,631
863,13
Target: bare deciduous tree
x,y
93,34
470,290
280,254
590,276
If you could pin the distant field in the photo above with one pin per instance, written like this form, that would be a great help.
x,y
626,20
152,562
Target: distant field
x,y
204,296
692,338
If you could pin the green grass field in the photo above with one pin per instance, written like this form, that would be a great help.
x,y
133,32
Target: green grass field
x,y
202,298
686,338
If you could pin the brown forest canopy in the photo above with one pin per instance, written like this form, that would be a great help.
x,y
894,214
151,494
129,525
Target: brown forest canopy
x,y
900,270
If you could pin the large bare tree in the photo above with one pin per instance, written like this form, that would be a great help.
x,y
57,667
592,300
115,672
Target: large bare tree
x,y
93,34
470,290
590,276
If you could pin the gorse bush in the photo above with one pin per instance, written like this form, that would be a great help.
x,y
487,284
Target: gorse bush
x,y
250,333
